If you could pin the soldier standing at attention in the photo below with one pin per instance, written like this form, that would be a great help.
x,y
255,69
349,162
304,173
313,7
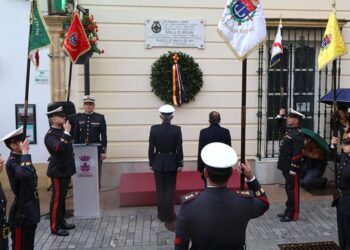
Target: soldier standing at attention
x,y
289,162
90,127
61,167
217,218
4,227
25,210
166,158
342,195
214,133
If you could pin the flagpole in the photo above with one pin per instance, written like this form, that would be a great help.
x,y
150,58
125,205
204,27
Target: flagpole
x,y
243,118
69,85
26,95
282,97
335,111
335,121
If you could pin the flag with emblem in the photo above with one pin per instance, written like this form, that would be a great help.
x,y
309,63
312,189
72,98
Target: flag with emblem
x,y
243,26
38,37
332,45
277,48
76,42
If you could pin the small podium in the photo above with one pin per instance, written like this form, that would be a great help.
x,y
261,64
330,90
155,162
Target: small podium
x,y
85,181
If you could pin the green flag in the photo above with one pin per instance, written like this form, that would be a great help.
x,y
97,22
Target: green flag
x,y
38,37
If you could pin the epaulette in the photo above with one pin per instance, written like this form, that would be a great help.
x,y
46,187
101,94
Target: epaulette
x,y
26,163
245,194
63,140
190,196
49,132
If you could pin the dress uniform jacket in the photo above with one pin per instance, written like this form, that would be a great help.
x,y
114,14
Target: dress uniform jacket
x,y
342,201
91,128
217,218
60,148
165,148
4,229
24,182
290,160
165,156
291,151
22,174
214,133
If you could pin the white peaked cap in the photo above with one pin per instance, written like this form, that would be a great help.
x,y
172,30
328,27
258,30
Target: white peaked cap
x,y
88,98
219,155
166,109
13,134
294,112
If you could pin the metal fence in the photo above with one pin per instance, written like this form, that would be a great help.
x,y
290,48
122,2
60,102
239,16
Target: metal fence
x,y
303,86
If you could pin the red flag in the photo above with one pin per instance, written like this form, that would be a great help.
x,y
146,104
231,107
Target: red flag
x,y
76,42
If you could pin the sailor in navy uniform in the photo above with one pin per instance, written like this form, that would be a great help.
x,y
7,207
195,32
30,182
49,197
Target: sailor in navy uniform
x,y
213,133
90,127
289,162
165,158
217,218
25,210
61,167
342,195
4,227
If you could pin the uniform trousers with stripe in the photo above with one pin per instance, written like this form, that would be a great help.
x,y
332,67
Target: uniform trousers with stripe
x,y
23,237
343,223
165,185
292,187
58,202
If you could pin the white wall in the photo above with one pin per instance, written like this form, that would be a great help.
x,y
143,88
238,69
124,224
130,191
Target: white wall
x,y
13,61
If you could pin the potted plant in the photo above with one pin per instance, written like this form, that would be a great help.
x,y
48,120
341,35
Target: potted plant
x,y
91,30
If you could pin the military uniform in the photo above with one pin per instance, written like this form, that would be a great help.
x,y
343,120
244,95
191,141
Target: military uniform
x,y
165,157
217,218
25,210
91,128
342,200
61,168
4,227
289,160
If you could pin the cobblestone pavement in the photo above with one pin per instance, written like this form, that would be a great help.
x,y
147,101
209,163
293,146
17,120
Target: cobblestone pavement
x,y
138,228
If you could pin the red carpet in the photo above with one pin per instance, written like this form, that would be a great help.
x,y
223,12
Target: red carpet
x,y
138,189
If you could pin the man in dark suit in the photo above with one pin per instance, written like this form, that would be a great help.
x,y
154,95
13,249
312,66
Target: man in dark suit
x,y
90,127
165,158
214,133
217,218
58,142
289,162
24,214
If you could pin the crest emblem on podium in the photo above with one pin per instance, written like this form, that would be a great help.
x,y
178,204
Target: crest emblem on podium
x,y
84,163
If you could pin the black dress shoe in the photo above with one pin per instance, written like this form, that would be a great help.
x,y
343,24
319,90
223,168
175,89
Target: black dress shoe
x,y
281,215
67,226
61,232
285,219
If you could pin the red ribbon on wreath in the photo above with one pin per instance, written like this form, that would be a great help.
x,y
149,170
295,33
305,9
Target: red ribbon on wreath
x,y
178,91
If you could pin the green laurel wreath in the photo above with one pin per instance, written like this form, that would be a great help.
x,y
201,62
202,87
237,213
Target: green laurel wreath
x,y
161,76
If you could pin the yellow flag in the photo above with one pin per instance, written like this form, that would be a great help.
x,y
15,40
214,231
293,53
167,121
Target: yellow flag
x,y
333,44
